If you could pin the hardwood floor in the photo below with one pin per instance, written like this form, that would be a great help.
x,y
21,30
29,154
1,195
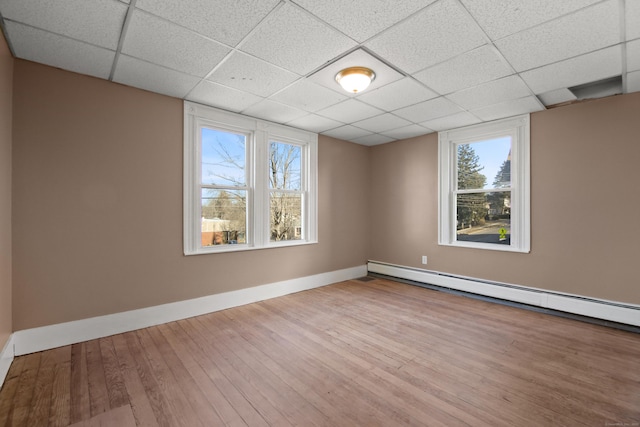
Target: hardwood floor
x,y
375,353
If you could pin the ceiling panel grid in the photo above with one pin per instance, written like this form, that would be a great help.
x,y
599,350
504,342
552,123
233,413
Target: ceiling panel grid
x,y
439,64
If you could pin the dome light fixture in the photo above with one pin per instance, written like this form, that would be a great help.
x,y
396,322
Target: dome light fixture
x,y
355,79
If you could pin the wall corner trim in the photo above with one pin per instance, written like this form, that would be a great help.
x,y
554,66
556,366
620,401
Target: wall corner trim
x,y
61,334
628,314
6,357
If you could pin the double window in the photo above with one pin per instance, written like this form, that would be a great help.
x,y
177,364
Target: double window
x,y
248,184
484,186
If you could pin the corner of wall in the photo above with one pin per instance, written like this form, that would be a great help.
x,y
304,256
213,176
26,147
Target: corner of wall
x,y
6,141
6,357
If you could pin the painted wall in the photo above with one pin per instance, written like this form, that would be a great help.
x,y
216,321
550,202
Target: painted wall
x,y
584,180
98,205
6,95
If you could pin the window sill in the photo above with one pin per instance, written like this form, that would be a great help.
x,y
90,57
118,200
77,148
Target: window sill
x,y
487,246
221,249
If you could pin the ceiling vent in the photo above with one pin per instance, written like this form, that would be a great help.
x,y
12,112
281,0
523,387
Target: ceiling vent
x,y
598,89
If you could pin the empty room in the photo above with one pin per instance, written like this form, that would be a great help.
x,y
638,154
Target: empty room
x,y
319,213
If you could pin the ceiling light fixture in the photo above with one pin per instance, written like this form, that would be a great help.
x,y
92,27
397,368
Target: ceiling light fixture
x,y
355,79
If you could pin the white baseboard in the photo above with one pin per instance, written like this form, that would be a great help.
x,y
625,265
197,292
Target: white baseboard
x,y
600,309
61,334
6,357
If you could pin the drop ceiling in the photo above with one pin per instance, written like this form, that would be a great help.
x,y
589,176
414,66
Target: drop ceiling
x,y
440,64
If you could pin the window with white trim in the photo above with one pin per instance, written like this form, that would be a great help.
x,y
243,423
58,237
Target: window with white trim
x,y
248,183
484,199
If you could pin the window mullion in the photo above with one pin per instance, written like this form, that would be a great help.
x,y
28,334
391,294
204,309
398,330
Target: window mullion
x,y
260,211
223,187
275,190
484,190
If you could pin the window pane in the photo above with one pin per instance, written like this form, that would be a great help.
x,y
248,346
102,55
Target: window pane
x,y
284,166
286,216
484,164
224,217
223,158
484,217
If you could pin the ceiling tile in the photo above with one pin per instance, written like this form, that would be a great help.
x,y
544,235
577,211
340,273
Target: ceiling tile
x,y
350,111
347,132
227,21
373,15
587,68
502,18
216,95
504,89
382,122
308,96
590,29
58,51
557,96
407,132
144,75
358,58
97,22
315,123
509,108
371,140
156,40
398,94
633,82
451,122
276,59
632,8
437,33
633,55
274,111
243,72
296,41
428,110
469,69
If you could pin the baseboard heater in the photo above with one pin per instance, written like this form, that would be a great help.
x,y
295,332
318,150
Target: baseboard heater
x,y
611,311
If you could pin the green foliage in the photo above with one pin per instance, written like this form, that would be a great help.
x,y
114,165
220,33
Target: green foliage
x,y
471,208
503,177
469,176
499,201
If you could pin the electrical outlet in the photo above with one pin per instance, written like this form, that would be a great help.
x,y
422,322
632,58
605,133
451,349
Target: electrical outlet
x,y
424,259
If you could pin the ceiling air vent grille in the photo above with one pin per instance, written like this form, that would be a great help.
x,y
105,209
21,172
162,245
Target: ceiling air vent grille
x,y
598,89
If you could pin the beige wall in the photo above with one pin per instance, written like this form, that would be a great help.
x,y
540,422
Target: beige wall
x,y
6,94
98,205
584,179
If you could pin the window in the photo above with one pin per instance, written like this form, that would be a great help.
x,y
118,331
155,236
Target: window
x,y
286,197
484,186
248,184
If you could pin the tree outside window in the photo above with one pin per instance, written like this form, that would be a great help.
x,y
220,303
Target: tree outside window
x,y
482,202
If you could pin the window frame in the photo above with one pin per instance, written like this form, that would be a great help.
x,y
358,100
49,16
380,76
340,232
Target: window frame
x,y
448,141
259,133
303,184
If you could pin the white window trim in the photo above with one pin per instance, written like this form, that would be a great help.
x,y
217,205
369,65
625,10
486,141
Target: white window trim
x,y
519,128
260,134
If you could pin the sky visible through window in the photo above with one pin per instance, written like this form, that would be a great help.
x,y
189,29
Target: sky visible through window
x,y
492,153
223,157
285,166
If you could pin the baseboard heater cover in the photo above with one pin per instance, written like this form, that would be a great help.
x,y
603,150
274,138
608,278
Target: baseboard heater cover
x,y
600,309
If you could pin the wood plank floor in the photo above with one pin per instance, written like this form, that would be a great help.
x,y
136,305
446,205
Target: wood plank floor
x,y
376,353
